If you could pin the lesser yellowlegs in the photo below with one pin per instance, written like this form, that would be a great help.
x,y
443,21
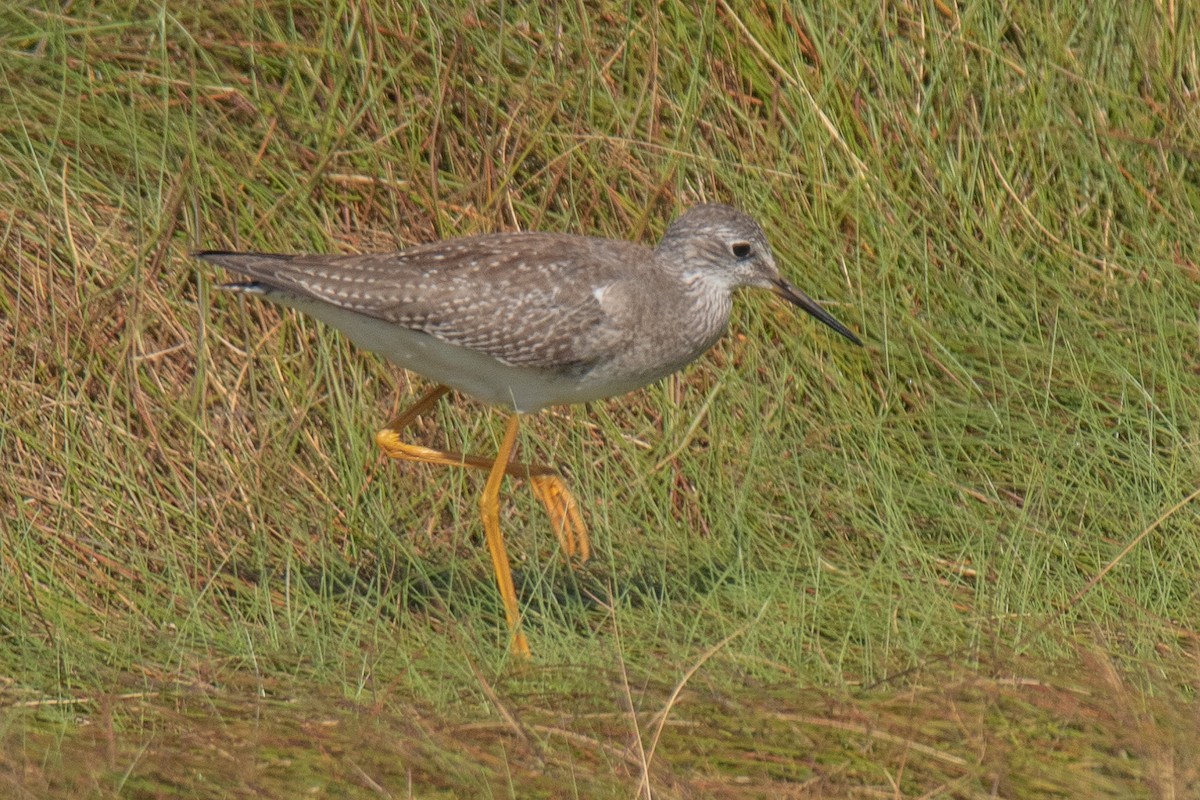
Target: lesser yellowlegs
x,y
530,320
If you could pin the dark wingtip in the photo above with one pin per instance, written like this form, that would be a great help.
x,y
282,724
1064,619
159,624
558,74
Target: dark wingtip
x,y
215,255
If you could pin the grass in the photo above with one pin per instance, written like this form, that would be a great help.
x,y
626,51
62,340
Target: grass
x,y
961,561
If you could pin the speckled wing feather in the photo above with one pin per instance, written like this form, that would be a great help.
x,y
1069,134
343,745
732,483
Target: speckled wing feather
x,y
460,291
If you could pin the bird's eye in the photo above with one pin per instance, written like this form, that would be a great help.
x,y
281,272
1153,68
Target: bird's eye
x,y
740,249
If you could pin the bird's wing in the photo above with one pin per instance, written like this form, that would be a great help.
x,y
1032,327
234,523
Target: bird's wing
x,y
527,299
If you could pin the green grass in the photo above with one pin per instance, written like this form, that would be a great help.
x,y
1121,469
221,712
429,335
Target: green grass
x,y
955,561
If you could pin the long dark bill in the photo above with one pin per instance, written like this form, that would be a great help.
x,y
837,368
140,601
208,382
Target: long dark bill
x,y
799,298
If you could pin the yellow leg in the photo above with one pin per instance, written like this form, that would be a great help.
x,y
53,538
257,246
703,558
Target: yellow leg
x,y
563,512
547,485
489,507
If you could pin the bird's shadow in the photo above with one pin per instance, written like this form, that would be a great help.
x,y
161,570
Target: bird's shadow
x,y
396,586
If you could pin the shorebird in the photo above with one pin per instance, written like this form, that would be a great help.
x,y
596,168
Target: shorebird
x,y
530,320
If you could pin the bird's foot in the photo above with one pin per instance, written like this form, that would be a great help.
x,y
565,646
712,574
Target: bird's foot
x,y
564,516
